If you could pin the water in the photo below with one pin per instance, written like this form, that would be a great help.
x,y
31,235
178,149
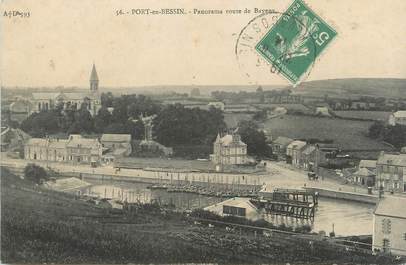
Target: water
x,y
348,218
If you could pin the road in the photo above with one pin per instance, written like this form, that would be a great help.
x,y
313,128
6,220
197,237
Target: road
x,y
282,175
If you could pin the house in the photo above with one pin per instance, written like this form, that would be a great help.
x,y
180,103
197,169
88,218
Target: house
x,y
308,157
280,144
75,150
389,226
323,111
50,100
70,185
117,144
240,207
294,152
325,153
397,118
217,104
368,164
390,172
229,150
364,177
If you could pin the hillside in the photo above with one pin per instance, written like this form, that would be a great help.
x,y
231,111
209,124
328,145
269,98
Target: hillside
x,y
354,87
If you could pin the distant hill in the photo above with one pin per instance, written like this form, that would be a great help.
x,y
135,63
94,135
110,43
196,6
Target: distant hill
x,y
378,87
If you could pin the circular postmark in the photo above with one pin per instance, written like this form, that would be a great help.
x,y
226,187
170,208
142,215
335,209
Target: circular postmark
x,y
286,45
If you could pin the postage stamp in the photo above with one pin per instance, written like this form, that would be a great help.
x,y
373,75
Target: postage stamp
x,y
295,41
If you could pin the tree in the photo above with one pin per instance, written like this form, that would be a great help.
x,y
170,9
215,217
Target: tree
x,y
376,130
42,123
35,173
396,135
107,100
176,125
254,138
102,120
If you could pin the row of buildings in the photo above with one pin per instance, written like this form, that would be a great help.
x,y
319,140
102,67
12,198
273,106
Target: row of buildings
x,y
387,172
303,155
78,149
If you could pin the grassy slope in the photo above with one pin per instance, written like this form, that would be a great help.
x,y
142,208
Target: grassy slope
x,y
40,226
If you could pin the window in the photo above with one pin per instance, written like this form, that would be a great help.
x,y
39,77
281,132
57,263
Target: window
x,y
237,211
404,236
386,226
386,245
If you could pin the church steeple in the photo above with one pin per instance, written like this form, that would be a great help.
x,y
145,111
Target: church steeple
x,y
94,80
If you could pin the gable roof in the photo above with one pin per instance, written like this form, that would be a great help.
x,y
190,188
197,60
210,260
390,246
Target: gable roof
x,y
76,140
392,159
229,140
297,145
367,163
235,202
63,95
392,206
400,114
38,142
364,172
107,137
281,140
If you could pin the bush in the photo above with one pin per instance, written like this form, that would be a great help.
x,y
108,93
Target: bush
x,y
35,173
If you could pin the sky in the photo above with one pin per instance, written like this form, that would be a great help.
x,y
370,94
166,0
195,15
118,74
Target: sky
x,y
58,43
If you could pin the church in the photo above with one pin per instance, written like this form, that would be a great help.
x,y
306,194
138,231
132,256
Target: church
x,y
49,100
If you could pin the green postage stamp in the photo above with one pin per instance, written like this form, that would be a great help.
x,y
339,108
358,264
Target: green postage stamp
x,y
295,41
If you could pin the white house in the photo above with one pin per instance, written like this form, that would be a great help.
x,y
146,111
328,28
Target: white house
x,y
118,144
240,207
76,149
294,150
390,172
389,232
398,117
229,150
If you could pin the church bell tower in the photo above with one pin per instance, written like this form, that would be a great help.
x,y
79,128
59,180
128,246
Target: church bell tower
x,y
94,80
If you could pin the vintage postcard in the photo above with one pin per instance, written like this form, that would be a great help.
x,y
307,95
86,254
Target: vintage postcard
x,y
203,132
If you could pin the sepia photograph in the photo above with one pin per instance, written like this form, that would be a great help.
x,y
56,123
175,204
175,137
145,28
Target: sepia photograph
x,y
203,132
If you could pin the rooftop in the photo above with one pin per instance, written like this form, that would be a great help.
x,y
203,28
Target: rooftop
x,y
230,139
236,202
400,114
364,172
367,164
392,159
392,206
115,137
297,144
281,140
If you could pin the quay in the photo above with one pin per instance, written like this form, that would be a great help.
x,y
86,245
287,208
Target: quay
x,y
212,181
344,195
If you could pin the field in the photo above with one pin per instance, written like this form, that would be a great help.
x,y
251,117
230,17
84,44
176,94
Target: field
x,y
349,134
365,115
